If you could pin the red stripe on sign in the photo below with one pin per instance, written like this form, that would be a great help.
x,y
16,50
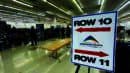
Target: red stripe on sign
x,y
98,29
94,53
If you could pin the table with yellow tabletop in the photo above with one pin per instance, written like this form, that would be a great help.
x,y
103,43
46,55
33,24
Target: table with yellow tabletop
x,y
55,45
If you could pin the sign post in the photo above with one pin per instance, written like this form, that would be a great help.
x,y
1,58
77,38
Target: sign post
x,y
94,40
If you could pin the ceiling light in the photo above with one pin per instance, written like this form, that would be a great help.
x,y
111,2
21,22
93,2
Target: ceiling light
x,y
63,17
49,12
41,14
20,13
102,5
13,8
45,0
78,6
69,12
124,15
35,13
1,4
56,7
22,10
6,11
124,19
126,3
22,3
99,2
81,5
60,16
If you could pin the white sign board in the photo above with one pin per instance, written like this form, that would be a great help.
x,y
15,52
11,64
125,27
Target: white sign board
x,y
94,40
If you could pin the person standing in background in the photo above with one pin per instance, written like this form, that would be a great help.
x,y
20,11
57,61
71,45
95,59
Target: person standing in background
x,y
33,36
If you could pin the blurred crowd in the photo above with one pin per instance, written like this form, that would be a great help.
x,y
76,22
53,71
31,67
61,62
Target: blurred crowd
x,y
12,36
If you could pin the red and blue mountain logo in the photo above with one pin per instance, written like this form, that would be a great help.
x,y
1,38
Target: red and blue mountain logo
x,y
90,41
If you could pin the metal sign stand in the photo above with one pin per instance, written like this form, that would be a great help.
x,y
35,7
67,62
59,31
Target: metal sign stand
x,y
78,67
88,69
